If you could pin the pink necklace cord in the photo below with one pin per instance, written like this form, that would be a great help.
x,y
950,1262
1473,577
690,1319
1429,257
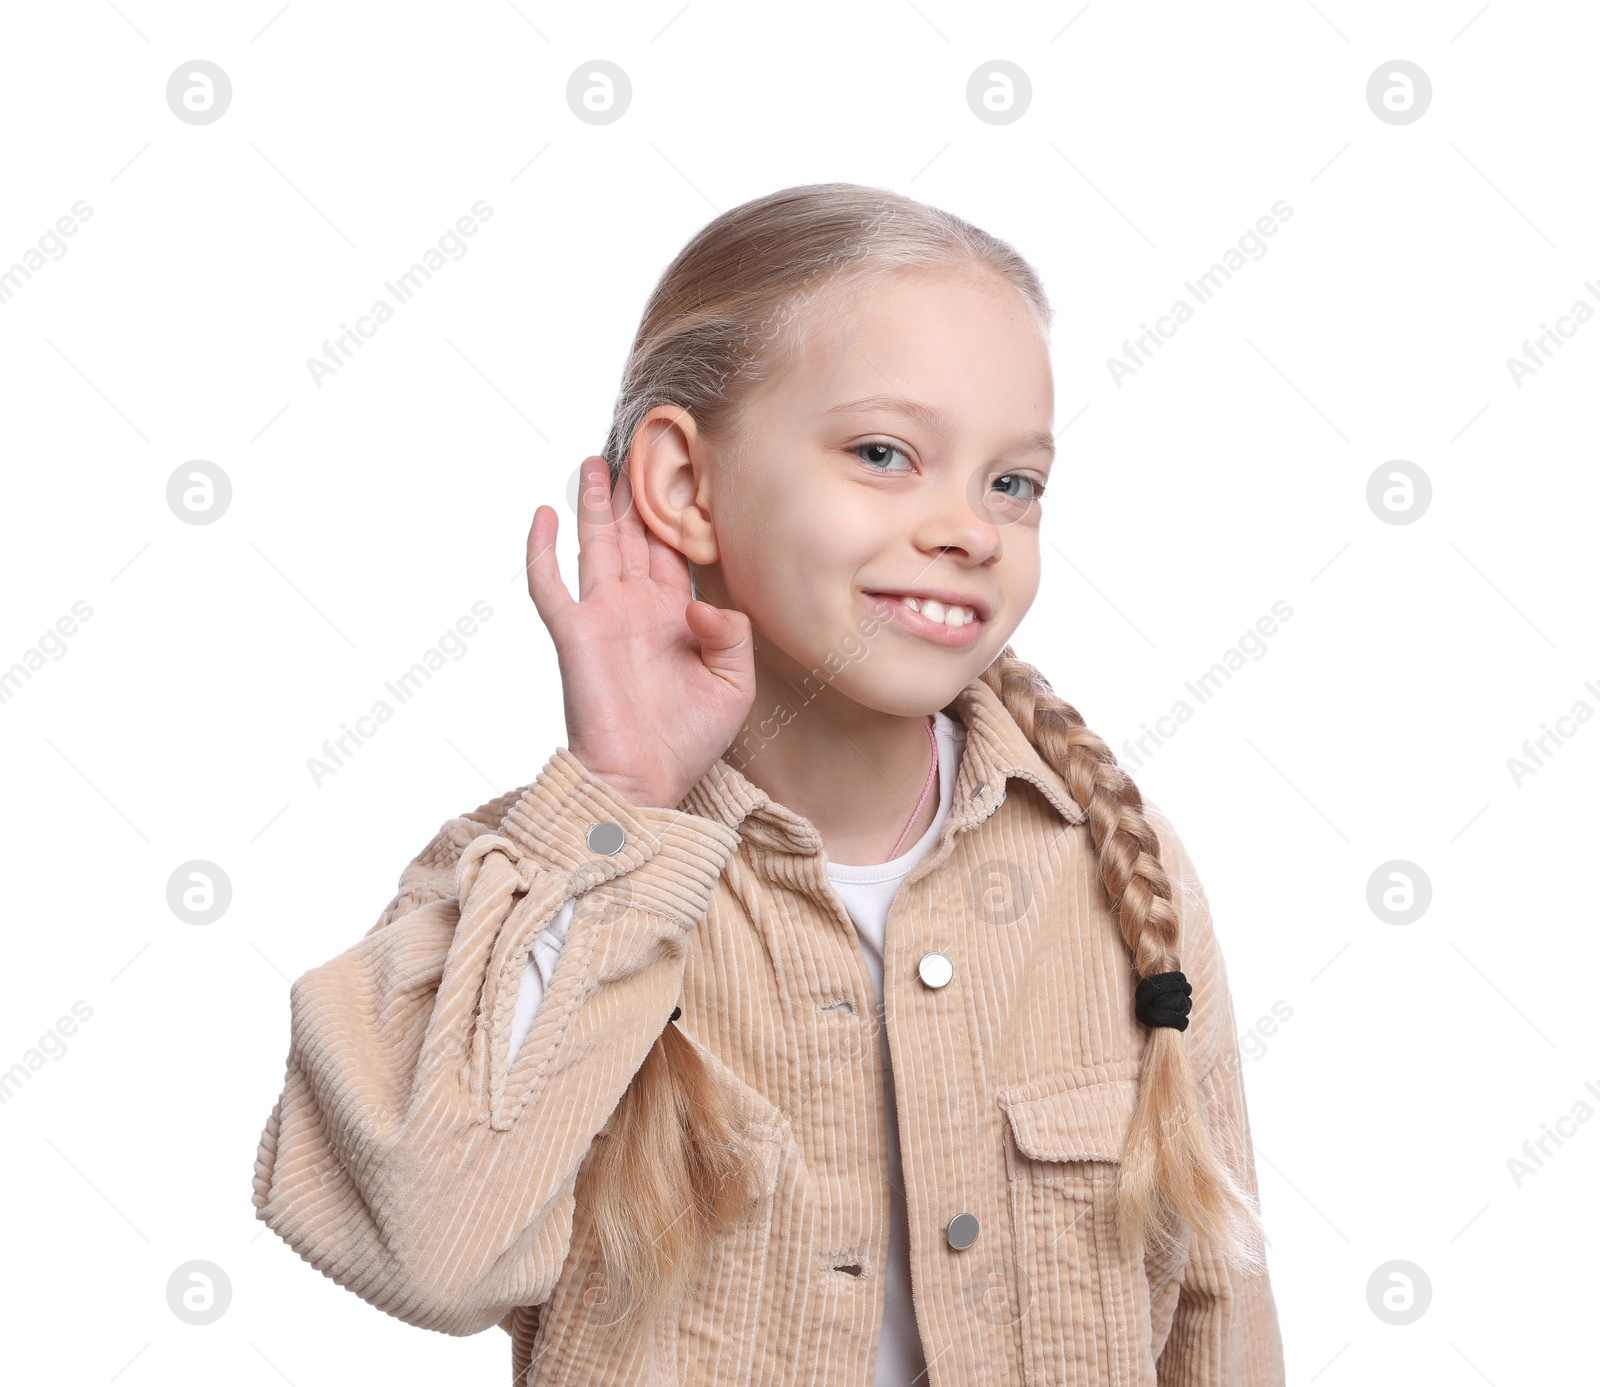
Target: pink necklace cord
x,y
932,771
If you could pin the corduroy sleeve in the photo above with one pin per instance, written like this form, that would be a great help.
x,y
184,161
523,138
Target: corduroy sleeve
x,y
1225,1330
401,1159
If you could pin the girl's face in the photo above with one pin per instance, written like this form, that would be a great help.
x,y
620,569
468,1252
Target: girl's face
x,y
903,455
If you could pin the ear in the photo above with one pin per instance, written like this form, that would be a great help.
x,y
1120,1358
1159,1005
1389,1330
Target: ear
x,y
669,472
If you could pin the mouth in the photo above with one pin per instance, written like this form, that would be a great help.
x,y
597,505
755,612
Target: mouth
x,y
943,623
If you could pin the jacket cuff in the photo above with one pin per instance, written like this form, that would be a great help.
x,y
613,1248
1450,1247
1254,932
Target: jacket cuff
x,y
681,855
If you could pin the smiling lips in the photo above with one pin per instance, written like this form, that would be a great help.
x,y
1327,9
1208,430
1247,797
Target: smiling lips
x,y
945,622
934,610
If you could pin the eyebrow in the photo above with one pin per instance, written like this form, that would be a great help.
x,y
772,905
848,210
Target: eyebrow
x,y
933,417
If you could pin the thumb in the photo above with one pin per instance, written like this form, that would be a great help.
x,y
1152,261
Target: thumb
x,y
725,643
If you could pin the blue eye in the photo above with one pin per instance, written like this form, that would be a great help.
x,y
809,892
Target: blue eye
x,y
888,448
1037,494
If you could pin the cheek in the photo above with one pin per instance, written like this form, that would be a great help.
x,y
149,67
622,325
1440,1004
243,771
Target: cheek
x,y
794,580
1021,569
763,566
1019,583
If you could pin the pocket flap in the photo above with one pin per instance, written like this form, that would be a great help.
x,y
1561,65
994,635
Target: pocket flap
x,y
1086,1123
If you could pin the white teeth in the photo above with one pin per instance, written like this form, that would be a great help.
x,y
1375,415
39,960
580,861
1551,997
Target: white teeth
x,y
937,611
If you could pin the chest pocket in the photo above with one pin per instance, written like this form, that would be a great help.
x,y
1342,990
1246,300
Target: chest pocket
x,y
1082,1305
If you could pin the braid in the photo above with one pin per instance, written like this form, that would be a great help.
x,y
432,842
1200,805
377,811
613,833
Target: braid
x,y
1169,1165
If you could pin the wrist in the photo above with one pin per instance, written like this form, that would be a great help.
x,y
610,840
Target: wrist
x,y
638,794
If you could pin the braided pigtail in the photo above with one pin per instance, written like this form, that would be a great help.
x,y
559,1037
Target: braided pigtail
x,y
1170,1166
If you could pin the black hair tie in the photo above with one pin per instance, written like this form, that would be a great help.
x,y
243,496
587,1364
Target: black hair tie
x,y
1162,999
676,1013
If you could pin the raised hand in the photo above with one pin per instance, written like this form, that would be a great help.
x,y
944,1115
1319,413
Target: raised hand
x,y
655,686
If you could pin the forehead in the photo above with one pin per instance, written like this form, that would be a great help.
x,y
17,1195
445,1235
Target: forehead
x,y
968,342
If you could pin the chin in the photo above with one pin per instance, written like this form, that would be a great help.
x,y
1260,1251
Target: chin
x,y
910,693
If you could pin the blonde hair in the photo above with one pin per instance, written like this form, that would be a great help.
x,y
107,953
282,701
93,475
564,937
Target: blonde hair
x,y
667,1174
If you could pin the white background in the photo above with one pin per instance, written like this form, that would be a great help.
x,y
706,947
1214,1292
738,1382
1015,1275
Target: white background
x,y
369,514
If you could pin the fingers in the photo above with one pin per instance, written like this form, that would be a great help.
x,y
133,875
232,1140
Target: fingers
x,y
641,552
633,547
613,542
598,555
726,646
549,593
667,568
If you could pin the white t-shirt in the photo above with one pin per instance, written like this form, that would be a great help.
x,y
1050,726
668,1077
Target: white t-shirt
x,y
867,893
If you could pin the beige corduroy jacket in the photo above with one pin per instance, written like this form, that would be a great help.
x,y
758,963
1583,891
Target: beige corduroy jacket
x,y
405,1163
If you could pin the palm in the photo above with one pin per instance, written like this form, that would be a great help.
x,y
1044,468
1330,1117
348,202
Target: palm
x,y
650,703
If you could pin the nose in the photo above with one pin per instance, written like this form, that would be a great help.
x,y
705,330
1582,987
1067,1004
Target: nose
x,y
956,522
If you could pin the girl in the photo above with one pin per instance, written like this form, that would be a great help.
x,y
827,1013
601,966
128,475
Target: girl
x,y
672,1062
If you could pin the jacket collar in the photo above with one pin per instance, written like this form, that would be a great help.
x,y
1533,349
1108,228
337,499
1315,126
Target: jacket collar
x,y
996,750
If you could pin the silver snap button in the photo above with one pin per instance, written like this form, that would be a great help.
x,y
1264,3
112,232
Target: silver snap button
x,y
605,839
935,969
961,1232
